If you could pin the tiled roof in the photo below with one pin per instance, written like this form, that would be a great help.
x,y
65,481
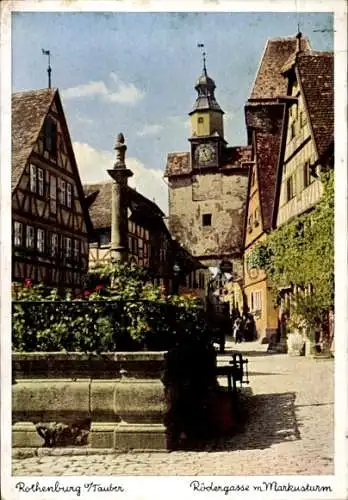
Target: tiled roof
x,y
270,82
99,201
178,164
233,157
316,75
266,121
29,109
236,156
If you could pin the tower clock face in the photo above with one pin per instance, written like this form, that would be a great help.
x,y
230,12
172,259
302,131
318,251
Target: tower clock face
x,y
205,153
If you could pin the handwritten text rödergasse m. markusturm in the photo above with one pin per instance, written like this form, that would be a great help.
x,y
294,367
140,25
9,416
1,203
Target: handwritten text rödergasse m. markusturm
x,y
264,486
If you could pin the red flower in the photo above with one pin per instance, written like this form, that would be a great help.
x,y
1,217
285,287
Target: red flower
x,y
86,293
99,287
27,282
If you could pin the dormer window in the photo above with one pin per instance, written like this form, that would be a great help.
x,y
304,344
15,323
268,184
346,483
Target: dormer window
x,y
50,136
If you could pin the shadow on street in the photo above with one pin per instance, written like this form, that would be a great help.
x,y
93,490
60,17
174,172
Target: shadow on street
x,y
263,420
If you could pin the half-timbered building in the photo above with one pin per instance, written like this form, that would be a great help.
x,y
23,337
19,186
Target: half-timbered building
x,y
148,238
49,217
308,134
307,140
150,244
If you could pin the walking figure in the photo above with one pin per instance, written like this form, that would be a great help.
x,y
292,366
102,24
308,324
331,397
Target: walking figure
x,y
237,331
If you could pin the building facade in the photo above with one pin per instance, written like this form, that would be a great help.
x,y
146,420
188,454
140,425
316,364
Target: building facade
x,y
150,244
308,141
265,114
308,135
148,238
50,222
208,187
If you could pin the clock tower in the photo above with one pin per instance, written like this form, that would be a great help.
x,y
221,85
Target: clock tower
x,y
207,139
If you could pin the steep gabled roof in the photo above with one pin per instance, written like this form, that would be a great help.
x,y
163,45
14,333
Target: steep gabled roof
x,y
315,73
270,82
98,197
266,122
29,110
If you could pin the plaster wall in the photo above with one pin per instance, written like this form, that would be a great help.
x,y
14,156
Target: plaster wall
x,y
223,197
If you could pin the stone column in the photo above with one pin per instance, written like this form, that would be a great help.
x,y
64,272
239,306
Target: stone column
x,y
119,215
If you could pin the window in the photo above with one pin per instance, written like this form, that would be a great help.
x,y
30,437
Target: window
x,y
54,245
146,248
67,247
295,113
37,184
255,301
33,178
290,188
30,237
68,195
206,219
65,193
292,130
201,119
53,194
18,234
303,118
50,136
76,253
141,248
104,238
40,240
40,182
250,223
256,217
62,191
306,175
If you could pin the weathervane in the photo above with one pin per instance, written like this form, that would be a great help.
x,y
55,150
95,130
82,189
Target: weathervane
x,y
49,69
201,46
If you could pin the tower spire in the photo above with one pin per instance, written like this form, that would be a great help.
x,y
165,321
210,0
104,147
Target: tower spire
x,y
204,57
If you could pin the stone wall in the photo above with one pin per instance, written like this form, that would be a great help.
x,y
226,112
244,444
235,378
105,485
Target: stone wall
x,y
119,395
221,195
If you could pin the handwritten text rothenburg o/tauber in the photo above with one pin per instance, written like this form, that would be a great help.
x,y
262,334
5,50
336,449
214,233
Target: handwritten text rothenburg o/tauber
x,y
57,487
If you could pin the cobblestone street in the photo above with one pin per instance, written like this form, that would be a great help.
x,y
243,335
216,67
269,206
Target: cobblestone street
x,y
290,430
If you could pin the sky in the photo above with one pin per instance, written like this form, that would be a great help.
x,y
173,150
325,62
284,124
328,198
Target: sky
x,y
135,73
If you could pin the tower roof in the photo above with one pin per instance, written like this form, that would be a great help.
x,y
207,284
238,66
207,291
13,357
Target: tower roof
x,y
205,87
